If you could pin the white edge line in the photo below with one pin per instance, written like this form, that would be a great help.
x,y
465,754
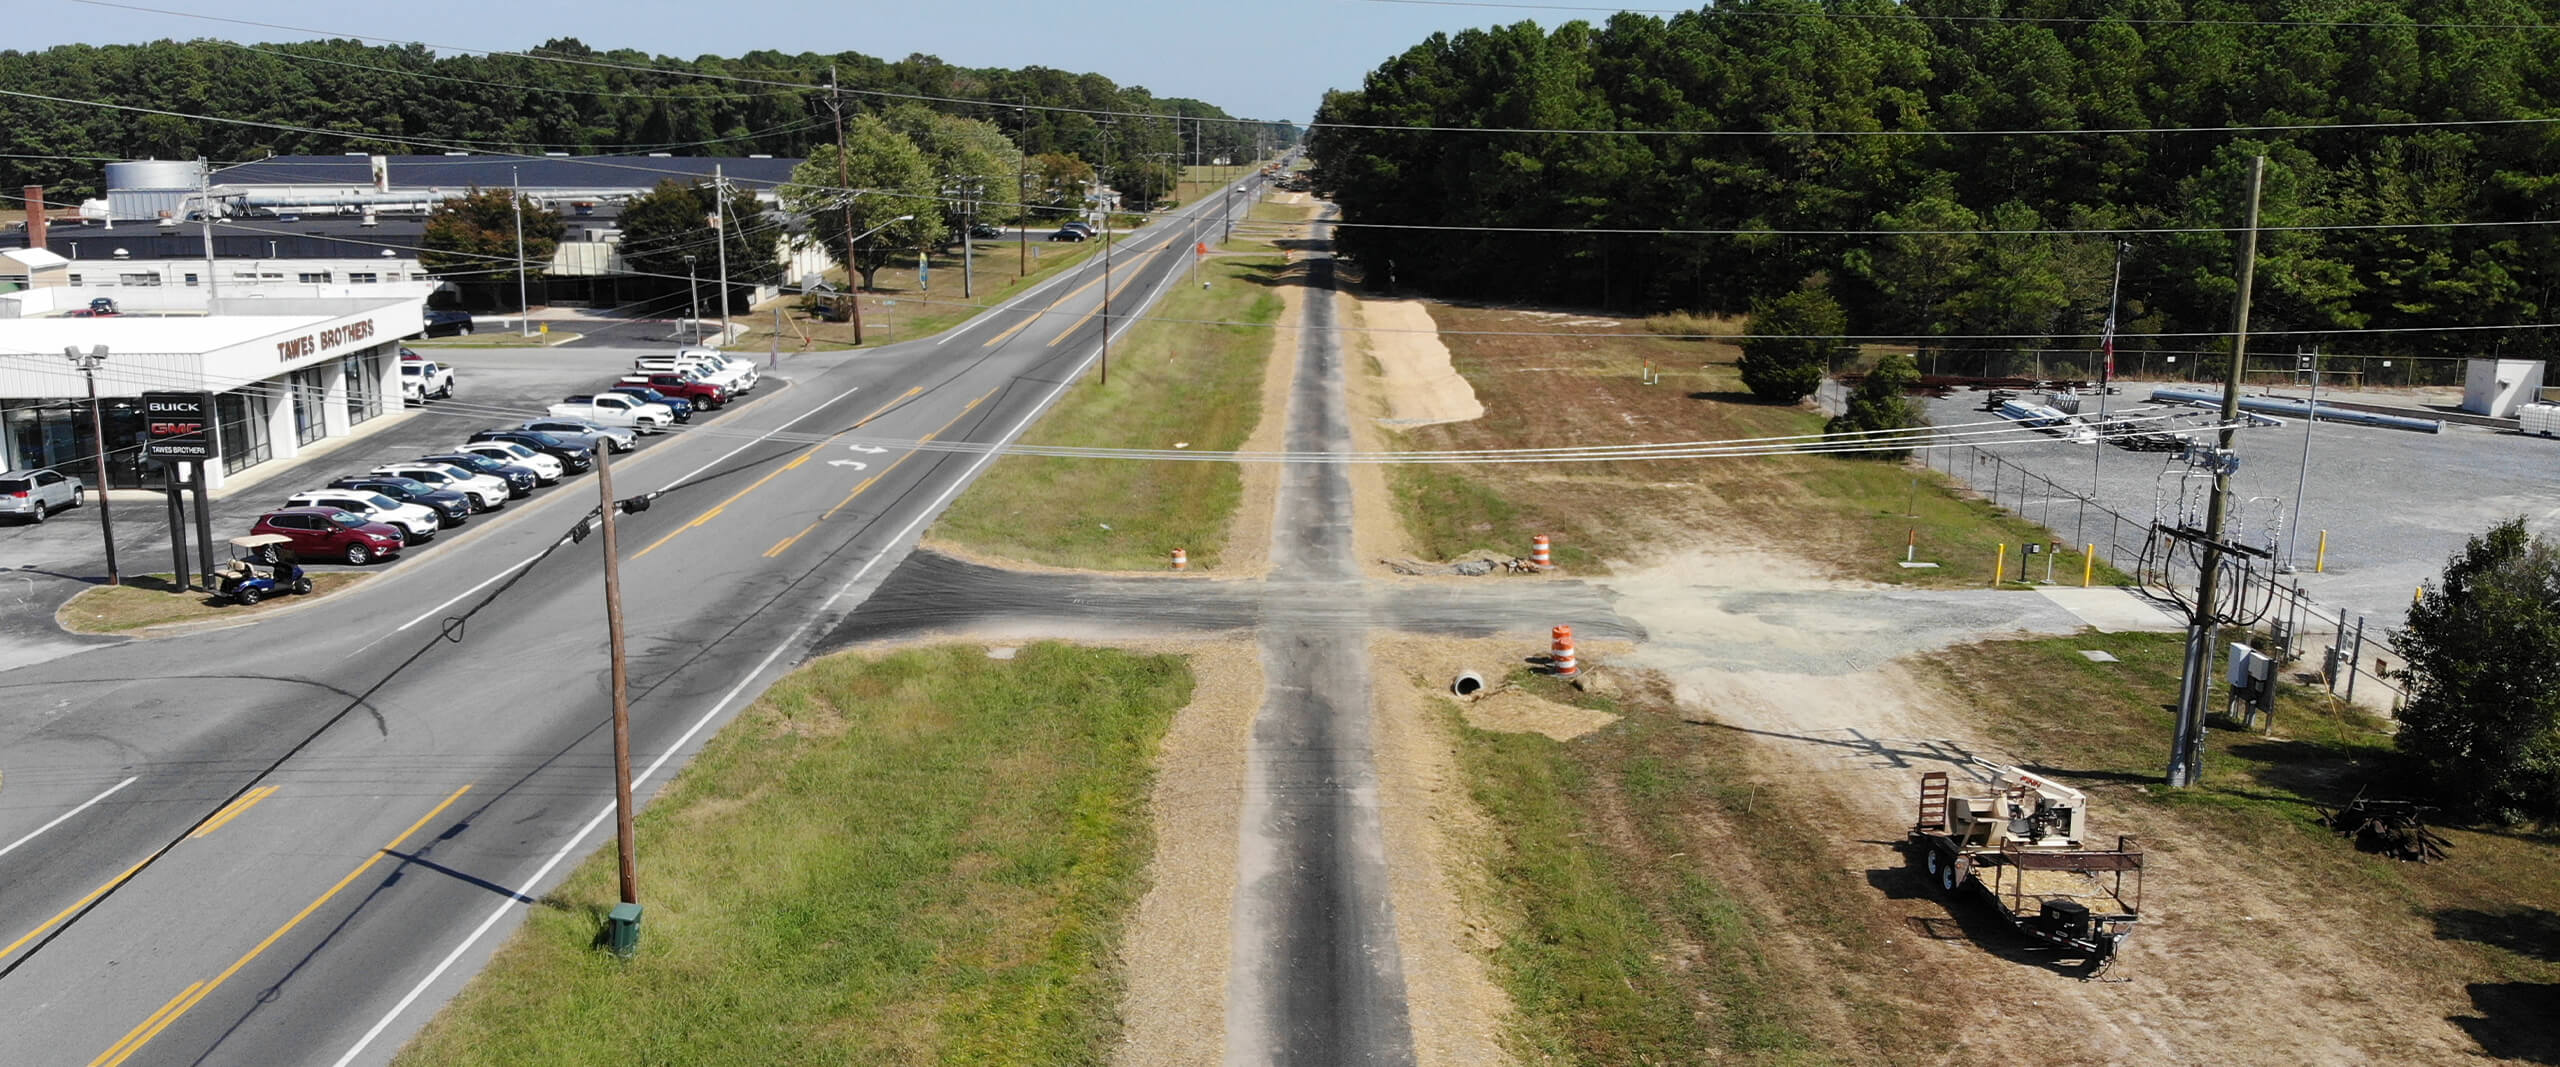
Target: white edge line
x,y
484,583
60,819
575,839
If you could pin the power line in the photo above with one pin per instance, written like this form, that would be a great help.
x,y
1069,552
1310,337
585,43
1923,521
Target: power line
x,y
1736,12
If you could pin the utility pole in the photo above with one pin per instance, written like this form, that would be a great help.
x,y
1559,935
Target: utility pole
x,y
524,305
720,232
1107,124
624,845
2186,758
2106,368
204,213
967,190
1022,198
88,363
844,185
2302,478
693,297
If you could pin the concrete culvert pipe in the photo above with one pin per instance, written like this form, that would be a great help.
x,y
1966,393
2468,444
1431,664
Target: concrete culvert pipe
x,y
1467,684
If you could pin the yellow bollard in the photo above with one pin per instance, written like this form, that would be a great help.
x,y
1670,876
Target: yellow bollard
x,y
2088,563
2320,563
2000,565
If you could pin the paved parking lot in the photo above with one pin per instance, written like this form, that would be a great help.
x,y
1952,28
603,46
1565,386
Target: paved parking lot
x,y
495,387
2396,503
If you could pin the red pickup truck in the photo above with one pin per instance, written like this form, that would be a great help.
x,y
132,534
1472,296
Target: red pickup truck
x,y
703,394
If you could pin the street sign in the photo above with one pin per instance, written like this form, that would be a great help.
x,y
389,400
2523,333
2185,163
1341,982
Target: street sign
x,y
176,425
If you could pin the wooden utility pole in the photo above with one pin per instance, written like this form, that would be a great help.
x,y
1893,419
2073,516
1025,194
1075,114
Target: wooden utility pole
x,y
2186,758
844,187
624,845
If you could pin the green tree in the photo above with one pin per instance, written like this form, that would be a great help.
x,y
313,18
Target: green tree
x,y
970,156
2483,652
1790,347
474,235
1059,184
673,223
892,197
1881,404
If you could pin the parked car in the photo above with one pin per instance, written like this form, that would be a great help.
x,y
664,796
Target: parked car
x,y
619,440
520,479
682,407
486,493
717,361
417,522
329,533
574,455
433,378
985,230
735,379
616,409
30,495
678,384
450,506
546,468
1080,226
442,321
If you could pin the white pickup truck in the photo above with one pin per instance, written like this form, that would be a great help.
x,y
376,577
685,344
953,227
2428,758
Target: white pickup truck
x,y
431,379
735,376
616,409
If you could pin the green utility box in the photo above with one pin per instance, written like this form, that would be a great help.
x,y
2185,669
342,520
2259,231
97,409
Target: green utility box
x,y
622,929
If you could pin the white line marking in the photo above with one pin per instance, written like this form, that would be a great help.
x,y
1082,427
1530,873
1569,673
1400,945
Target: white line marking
x,y
59,819
457,598
571,845
759,439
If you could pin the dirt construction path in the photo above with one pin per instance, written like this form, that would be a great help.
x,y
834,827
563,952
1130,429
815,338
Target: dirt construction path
x,y
2233,962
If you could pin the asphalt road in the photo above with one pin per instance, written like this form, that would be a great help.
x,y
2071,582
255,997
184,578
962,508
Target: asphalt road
x,y
399,769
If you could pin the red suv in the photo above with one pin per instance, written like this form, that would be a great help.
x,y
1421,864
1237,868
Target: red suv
x,y
329,533
703,394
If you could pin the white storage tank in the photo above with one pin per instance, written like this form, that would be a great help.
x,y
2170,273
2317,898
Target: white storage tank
x,y
2542,419
142,189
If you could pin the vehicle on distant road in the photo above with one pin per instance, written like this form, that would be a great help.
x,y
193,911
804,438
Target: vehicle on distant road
x,y
546,468
1065,234
452,507
520,479
616,409
986,230
486,493
328,533
31,495
417,522
443,321
574,454
620,440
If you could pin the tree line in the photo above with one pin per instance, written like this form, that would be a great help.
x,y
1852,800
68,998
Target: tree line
x,y
327,97
1697,114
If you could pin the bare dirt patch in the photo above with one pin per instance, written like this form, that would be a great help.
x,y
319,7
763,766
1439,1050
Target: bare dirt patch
x,y
1415,377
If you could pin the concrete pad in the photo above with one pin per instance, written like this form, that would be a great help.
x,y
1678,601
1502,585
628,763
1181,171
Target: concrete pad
x,y
2114,609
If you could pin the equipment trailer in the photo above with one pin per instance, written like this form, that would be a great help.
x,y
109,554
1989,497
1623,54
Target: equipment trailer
x,y
2020,847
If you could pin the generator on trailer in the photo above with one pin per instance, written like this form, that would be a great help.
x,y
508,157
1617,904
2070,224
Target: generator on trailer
x,y
2019,845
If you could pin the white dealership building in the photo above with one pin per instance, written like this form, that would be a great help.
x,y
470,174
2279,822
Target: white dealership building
x,y
284,372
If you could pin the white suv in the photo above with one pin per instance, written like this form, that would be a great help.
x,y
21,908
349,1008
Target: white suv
x,y
486,493
417,522
545,469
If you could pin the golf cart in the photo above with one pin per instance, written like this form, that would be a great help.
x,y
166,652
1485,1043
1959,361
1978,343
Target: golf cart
x,y
261,566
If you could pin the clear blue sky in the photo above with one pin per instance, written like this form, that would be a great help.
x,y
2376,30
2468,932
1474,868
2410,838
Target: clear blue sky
x,y
1258,58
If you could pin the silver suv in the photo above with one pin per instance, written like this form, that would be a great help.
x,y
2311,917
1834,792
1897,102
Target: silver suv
x,y
30,495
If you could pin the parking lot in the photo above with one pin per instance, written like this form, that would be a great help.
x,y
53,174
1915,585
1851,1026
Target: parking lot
x,y
495,388
2395,503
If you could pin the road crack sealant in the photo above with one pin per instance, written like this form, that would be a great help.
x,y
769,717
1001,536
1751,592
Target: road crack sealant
x,y
1315,975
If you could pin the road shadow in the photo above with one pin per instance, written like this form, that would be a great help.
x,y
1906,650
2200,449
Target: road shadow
x,y
1732,396
1967,916
1277,275
2514,1020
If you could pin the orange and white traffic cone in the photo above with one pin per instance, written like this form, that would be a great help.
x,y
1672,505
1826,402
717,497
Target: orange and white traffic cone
x,y
1560,660
1181,560
1538,553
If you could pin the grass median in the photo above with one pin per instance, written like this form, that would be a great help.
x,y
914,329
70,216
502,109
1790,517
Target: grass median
x,y
923,858
147,600
1192,381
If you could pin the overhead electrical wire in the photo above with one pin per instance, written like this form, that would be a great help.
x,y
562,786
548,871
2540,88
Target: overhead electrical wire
x,y
1738,12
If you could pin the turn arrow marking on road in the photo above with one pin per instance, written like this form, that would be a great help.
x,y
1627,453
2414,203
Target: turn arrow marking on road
x,y
868,450
853,463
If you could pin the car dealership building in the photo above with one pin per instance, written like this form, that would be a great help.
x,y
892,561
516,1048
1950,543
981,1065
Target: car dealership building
x,y
283,372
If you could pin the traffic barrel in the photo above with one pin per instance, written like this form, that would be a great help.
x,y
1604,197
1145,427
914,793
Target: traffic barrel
x,y
1538,553
1561,659
1181,560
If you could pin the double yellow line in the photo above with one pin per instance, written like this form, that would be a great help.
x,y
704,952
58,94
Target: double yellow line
x,y
227,813
770,475
233,810
151,1026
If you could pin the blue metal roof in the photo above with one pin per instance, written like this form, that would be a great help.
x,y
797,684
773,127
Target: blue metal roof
x,y
492,172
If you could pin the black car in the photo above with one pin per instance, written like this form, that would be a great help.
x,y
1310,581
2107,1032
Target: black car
x,y
681,406
1067,235
520,480
985,230
451,508
571,454
447,321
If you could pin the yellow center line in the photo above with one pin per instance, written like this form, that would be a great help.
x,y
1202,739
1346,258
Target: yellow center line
x,y
233,810
67,912
1097,308
893,465
1043,312
195,994
812,450
787,542
884,408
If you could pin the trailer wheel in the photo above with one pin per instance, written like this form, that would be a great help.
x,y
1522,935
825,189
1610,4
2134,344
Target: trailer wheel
x,y
1933,862
1948,877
